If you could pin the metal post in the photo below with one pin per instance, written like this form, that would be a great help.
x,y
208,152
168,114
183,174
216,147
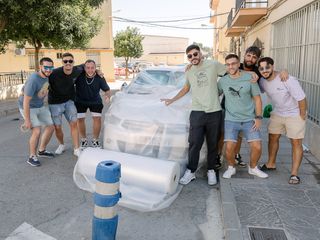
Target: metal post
x,y
22,77
106,196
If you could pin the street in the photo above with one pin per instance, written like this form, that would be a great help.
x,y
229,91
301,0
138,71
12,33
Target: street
x,y
47,199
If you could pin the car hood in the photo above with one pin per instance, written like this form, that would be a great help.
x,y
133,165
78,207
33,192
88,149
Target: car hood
x,y
149,108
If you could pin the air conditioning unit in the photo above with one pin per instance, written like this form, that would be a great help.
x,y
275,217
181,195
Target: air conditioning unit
x,y
20,51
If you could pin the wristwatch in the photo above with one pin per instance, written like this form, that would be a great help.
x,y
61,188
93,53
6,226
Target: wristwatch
x,y
258,117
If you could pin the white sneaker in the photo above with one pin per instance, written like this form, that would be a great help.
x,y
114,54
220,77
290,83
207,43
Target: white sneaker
x,y
76,152
212,179
229,172
257,172
61,148
187,177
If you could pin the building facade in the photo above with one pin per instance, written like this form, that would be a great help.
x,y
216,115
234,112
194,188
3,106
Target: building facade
x,y
100,49
164,49
286,30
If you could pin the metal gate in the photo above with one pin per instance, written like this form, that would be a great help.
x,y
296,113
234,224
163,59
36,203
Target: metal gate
x,y
296,47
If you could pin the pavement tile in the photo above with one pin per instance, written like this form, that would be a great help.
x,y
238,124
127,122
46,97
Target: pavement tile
x,y
272,202
302,233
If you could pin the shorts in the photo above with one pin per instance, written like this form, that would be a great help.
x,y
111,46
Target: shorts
x,y
67,109
232,129
293,127
39,116
95,109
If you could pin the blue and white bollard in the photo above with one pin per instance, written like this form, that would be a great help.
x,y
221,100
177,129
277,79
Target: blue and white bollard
x,y
106,196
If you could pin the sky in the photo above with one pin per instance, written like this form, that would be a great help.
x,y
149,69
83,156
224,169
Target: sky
x,y
163,10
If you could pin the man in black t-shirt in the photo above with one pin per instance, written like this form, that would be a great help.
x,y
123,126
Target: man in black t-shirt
x,y
88,86
61,100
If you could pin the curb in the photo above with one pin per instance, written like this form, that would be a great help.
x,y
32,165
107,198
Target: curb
x,y
230,218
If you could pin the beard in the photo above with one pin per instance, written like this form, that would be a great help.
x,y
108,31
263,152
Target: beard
x,y
246,65
198,61
44,73
270,74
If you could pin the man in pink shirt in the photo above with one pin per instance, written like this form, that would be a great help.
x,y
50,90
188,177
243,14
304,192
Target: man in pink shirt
x,y
288,115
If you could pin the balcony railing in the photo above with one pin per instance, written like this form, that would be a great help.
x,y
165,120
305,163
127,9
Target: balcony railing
x,y
230,17
250,4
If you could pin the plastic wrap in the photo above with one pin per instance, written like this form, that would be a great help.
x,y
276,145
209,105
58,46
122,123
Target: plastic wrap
x,y
137,122
146,184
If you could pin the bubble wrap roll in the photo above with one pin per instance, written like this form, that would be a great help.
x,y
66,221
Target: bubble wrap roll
x,y
145,182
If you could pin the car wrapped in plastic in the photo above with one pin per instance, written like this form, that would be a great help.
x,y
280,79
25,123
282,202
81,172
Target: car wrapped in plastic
x,y
137,122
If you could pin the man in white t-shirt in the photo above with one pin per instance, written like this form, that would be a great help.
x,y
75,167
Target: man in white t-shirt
x,y
288,115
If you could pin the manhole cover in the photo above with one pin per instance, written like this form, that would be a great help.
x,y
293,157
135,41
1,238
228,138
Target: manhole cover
x,y
267,234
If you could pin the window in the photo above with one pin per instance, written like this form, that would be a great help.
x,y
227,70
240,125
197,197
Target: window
x,y
59,55
31,60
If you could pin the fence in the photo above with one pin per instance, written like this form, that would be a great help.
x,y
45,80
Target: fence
x,y
13,78
296,47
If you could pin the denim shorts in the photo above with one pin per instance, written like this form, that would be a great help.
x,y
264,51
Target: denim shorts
x,y
232,129
67,109
39,116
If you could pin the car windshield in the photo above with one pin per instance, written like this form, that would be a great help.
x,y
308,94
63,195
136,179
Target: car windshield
x,y
162,77
149,80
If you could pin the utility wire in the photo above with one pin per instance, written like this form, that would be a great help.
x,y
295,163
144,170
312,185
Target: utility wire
x,y
165,26
176,20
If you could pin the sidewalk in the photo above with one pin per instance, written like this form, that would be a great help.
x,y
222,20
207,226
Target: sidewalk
x,y
10,106
264,205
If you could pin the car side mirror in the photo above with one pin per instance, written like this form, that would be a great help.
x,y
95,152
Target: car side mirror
x,y
123,86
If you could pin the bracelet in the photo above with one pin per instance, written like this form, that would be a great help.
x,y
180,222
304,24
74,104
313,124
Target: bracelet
x,y
258,117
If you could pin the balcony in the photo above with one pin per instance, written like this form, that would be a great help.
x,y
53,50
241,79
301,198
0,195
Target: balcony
x,y
245,15
233,31
249,12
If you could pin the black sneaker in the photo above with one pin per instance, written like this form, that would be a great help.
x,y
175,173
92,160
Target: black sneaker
x,y
45,153
218,162
84,143
33,161
239,162
96,143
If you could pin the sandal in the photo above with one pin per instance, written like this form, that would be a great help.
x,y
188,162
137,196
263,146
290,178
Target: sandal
x,y
239,162
294,179
265,168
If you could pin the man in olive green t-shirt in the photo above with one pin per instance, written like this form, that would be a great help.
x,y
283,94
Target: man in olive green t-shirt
x,y
205,117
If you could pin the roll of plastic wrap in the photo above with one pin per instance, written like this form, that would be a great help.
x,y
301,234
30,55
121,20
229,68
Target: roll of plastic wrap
x,y
146,184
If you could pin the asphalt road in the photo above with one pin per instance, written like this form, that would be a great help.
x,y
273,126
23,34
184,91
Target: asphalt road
x,y
47,198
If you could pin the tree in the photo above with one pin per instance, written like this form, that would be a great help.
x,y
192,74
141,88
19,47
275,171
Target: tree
x,y
207,51
128,44
48,23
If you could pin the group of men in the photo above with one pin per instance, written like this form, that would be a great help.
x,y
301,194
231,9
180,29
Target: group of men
x,y
71,91
243,112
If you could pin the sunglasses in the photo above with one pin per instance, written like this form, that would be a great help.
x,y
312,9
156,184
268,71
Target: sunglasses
x,y
195,54
48,68
67,61
266,68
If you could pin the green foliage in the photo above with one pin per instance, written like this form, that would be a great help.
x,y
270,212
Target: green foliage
x,y
49,23
128,44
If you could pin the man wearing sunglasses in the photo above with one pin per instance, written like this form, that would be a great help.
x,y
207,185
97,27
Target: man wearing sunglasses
x,y
61,100
249,64
205,117
287,117
35,114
